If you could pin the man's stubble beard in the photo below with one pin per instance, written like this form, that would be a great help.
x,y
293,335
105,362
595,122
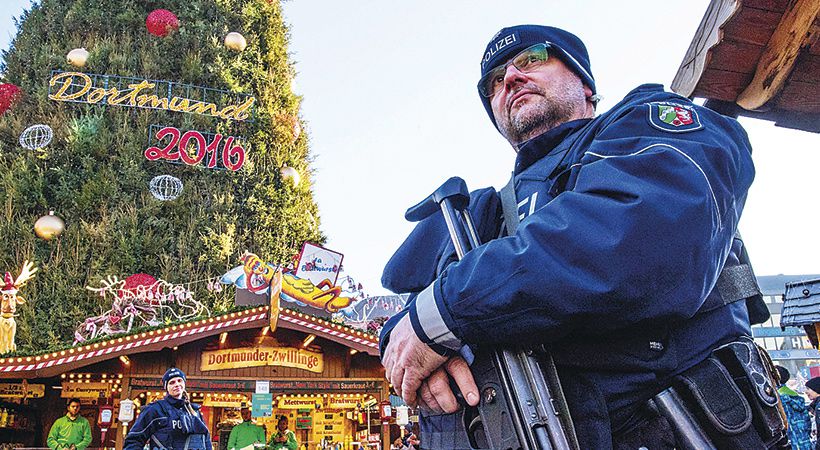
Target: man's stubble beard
x,y
543,112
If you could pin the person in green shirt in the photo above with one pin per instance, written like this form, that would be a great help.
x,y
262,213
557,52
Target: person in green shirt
x,y
246,433
70,432
283,438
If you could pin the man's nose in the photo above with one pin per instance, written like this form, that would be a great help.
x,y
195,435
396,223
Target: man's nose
x,y
513,76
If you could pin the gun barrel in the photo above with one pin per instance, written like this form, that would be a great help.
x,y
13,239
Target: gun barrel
x,y
690,434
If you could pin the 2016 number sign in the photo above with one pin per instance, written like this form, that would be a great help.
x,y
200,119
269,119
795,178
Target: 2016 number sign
x,y
233,156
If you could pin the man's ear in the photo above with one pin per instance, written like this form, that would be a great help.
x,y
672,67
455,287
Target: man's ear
x,y
591,102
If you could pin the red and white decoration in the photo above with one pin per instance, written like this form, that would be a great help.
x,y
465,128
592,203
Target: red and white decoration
x,y
50,364
230,153
139,300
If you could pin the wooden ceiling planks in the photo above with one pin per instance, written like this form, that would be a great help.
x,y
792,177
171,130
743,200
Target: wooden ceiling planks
x,y
698,56
793,34
762,54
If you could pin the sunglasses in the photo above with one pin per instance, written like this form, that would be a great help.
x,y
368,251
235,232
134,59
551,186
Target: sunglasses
x,y
527,60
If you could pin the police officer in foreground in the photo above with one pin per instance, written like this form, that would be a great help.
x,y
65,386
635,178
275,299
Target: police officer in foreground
x,y
618,248
170,423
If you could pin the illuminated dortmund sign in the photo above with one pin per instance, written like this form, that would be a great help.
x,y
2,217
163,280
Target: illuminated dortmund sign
x,y
132,92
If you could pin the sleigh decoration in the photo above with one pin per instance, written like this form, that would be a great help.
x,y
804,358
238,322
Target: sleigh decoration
x,y
139,301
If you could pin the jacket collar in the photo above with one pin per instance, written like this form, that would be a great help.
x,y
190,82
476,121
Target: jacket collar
x,y
175,402
536,148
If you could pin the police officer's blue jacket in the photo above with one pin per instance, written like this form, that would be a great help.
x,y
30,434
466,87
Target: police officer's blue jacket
x,y
626,223
167,424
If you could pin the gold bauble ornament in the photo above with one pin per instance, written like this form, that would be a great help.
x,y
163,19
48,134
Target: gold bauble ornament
x,y
290,174
235,41
77,57
48,227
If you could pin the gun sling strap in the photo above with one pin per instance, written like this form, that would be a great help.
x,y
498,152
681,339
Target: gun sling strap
x,y
509,206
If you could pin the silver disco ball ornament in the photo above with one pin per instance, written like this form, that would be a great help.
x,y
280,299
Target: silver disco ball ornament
x,y
165,187
36,137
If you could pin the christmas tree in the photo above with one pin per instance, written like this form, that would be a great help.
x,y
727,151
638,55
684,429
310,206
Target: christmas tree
x,y
215,70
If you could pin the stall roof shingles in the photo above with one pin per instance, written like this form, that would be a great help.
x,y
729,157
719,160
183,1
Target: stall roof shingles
x,y
801,303
53,363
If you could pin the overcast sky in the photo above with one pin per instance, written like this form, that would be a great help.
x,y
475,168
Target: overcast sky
x,y
391,110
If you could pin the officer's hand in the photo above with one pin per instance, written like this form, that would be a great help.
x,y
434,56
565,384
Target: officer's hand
x,y
435,392
408,361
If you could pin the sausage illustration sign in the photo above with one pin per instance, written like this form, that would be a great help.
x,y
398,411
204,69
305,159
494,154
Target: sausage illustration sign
x,y
235,358
321,298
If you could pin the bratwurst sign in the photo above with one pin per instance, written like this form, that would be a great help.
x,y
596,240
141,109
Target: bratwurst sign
x,y
236,358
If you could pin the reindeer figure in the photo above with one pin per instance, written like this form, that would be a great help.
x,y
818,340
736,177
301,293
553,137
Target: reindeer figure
x,y
8,306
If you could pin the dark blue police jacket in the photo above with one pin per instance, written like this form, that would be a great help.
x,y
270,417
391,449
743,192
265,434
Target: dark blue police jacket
x,y
626,222
167,424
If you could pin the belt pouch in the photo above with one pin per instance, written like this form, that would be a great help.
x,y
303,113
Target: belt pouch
x,y
720,407
752,371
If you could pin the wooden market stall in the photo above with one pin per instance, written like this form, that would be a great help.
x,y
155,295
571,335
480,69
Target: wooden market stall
x,y
324,376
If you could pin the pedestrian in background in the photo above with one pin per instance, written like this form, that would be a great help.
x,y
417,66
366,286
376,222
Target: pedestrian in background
x,y
813,391
797,413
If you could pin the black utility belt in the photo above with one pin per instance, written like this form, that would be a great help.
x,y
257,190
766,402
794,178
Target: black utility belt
x,y
729,401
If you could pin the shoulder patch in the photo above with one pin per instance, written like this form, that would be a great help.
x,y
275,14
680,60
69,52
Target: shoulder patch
x,y
674,117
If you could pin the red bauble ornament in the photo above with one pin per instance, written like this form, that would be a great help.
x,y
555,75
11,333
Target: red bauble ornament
x,y
9,95
161,22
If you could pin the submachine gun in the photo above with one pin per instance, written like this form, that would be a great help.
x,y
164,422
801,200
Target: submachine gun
x,y
522,406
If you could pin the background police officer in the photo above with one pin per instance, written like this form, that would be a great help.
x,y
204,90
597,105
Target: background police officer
x,y
626,222
172,422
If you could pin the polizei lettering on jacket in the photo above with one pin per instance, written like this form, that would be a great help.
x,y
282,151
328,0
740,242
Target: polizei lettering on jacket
x,y
506,41
262,356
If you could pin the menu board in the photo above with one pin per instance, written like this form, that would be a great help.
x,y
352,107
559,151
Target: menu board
x,y
329,425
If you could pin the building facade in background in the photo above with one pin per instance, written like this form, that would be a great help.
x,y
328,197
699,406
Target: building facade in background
x,y
788,347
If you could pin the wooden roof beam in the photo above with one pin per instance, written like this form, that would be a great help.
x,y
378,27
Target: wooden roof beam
x,y
792,34
708,35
